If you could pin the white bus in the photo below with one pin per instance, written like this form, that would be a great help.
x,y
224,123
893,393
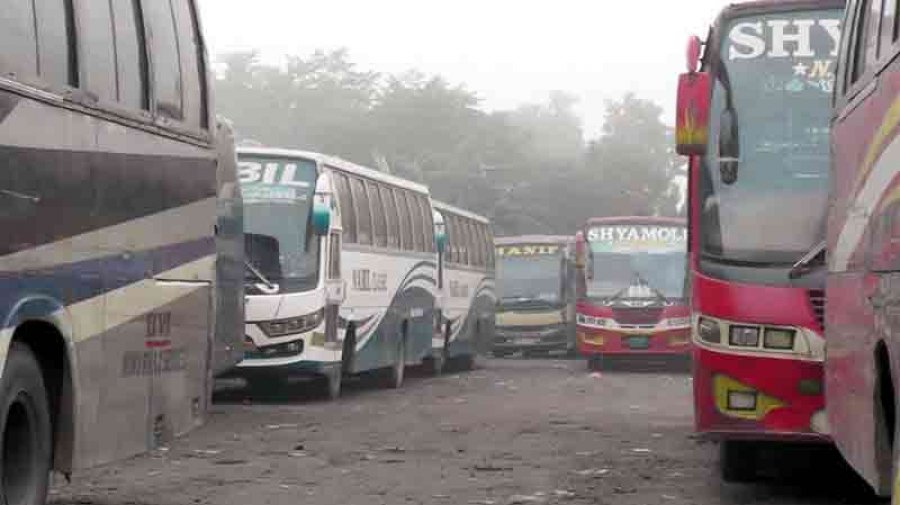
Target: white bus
x,y
111,196
342,269
467,300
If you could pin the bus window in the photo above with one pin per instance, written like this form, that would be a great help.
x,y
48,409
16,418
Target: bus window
x,y
417,225
888,27
96,54
455,239
348,213
363,214
866,38
54,50
378,219
474,246
406,226
479,244
491,263
427,223
17,38
193,77
391,218
131,58
164,59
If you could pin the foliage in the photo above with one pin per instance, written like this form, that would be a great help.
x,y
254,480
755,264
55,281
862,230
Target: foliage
x,y
529,169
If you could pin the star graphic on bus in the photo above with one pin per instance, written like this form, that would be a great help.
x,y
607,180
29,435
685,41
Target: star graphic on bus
x,y
801,68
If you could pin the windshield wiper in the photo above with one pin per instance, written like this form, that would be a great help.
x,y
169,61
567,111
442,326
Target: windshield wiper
x,y
804,265
272,287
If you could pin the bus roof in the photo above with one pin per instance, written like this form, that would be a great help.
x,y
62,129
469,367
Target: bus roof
x,y
676,221
337,163
767,6
446,207
534,239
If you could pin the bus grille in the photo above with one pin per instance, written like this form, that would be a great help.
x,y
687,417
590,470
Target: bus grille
x,y
817,301
638,316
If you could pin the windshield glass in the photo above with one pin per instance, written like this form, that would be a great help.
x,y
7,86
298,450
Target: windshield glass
x,y
279,241
636,261
529,274
781,72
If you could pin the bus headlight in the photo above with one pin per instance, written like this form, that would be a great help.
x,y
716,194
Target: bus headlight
x,y
292,325
708,331
744,336
741,400
776,338
675,322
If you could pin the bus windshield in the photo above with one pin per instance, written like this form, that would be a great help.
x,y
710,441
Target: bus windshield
x,y
280,244
636,261
780,72
534,279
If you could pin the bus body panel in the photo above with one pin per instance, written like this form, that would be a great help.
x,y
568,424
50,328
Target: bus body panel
x,y
378,312
469,308
863,284
117,253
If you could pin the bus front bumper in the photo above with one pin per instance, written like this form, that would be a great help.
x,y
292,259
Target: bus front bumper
x,y
595,341
758,397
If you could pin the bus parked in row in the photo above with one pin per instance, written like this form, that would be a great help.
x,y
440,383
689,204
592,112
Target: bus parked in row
x,y
536,295
467,301
121,250
754,121
631,290
343,272
862,376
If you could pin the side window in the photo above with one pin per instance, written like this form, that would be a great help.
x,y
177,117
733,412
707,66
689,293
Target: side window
x,y
163,44
131,56
348,213
479,244
489,246
456,239
193,65
378,218
866,37
427,223
18,57
334,256
391,219
449,223
97,52
406,238
474,246
888,27
54,33
418,225
363,216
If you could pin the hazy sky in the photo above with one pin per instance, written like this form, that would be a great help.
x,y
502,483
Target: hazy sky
x,y
508,52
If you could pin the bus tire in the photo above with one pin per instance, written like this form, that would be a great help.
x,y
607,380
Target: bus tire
x,y
738,460
398,370
595,363
25,430
467,362
333,384
348,349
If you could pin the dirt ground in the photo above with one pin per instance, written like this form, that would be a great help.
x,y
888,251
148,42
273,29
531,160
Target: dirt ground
x,y
510,432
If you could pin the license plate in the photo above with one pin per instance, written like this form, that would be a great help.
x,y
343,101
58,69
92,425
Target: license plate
x,y
525,341
637,342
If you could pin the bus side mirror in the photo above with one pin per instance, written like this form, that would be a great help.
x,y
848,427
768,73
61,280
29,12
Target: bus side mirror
x,y
321,218
440,232
692,114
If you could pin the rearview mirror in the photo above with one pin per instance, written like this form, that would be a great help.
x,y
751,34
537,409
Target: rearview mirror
x,y
440,231
692,114
321,218
729,146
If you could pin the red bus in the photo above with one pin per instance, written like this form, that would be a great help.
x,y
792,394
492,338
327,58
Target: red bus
x,y
863,329
754,121
631,290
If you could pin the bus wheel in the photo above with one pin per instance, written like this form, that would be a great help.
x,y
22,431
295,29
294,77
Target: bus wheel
x,y
467,362
738,460
333,384
398,370
595,363
25,428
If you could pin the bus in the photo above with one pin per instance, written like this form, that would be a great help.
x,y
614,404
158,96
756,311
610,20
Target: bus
x,y
467,302
341,273
631,290
536,292
118,192
754,121
861,369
